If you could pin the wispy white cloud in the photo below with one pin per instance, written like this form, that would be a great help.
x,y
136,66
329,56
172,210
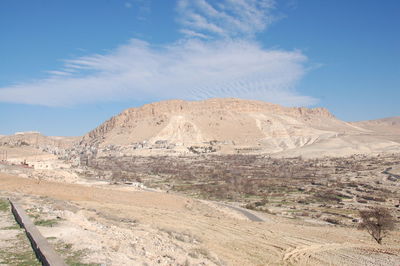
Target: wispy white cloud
x,y
58,73
227,18
190,33
196,67
190,69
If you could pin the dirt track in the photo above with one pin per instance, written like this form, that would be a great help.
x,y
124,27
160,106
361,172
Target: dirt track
x,y
232,240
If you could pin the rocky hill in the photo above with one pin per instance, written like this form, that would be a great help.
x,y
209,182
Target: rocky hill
x,y
231,126
36,140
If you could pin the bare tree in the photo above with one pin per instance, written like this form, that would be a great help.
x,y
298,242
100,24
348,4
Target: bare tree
x,y
376,221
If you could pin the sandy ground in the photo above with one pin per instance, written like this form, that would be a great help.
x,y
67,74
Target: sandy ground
x,y
118,227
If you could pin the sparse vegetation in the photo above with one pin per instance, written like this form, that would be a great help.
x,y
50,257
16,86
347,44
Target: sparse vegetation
x,y
13,227
72,257
44,222
332,221
263,183
4,205
18,251
18,257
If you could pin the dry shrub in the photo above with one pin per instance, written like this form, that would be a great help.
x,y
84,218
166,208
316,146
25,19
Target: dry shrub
x,y
332,220
377,222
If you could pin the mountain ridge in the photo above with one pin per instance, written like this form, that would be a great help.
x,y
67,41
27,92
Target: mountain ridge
x,y
177,106
231,125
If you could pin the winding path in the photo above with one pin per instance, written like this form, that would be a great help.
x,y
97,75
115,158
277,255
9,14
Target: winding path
x,y
252,217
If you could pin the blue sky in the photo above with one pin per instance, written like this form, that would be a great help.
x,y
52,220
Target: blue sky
x,y
66,66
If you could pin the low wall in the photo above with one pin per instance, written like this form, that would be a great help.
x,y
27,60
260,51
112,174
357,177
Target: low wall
x,y
42,248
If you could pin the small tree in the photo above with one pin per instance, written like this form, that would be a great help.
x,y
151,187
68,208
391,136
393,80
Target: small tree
x,y
376,221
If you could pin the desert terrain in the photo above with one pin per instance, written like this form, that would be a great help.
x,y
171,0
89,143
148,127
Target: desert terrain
x,y
235,126
95,224
216,182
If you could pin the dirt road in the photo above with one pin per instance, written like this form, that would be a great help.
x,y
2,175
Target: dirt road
x,y
251,216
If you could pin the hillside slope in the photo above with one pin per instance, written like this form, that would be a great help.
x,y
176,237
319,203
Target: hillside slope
x,y
226,126
388,128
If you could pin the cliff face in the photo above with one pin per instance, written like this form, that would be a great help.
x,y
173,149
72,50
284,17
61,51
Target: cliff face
x,y
234,124
215,105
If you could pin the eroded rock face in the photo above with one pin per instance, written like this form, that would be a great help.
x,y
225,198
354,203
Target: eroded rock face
x,y
216,126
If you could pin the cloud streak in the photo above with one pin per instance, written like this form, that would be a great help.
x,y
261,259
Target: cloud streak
x,y
227,19
192,68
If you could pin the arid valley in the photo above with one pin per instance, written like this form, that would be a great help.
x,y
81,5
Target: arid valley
x,y
199,132
213,182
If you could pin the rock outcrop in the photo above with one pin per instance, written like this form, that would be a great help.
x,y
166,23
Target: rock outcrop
x,y
218,125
